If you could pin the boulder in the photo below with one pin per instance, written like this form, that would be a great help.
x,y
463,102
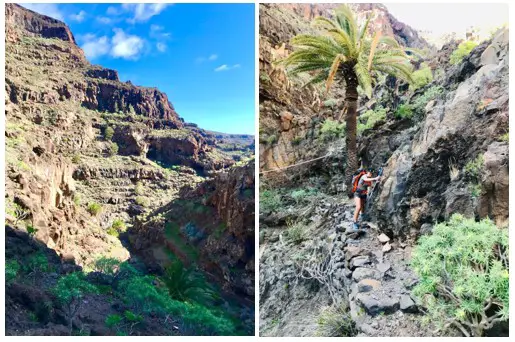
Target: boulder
x,y
361,273
375,306
407,304
383,238
367,285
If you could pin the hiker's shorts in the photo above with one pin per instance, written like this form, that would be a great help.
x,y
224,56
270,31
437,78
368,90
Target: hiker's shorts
x,y
360,195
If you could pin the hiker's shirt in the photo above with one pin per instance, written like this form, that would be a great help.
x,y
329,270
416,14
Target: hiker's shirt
x,y
363,186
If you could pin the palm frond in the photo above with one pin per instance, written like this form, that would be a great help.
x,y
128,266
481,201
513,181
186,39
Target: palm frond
x,y
364,78
345,18
334,70
363,33
389,41
332,29
373,47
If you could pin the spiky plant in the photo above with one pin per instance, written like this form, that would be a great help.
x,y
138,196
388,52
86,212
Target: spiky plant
x,y
341,50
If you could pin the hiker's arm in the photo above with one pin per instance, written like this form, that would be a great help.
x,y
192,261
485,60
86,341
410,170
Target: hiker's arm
x,y
366,179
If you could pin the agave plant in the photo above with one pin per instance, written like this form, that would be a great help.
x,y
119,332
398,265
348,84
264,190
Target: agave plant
x,y
353,55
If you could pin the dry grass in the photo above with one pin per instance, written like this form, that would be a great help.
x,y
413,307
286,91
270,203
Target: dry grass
x,y
454,172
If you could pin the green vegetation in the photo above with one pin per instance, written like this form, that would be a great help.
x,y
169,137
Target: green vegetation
x,y
69,291
421,77
475,190
94,208
369,119
296,233
31,230
302,195
220,230
335,321
272,139
331,103
172,232
187,285
404,111
108,133
332,129
473,167
464,275
35,264
76,199
143,201
462,51
112,149
76,159
139,189
419,104
124,326
12,267
505,137
119,225
341,47
270,200
263,77
109,266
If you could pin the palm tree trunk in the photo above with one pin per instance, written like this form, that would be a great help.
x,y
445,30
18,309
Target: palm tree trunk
x,y
351,103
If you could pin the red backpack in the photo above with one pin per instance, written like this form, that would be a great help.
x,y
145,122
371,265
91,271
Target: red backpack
x,y
355,179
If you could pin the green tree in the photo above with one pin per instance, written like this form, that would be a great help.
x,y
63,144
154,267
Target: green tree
x,y
186,284
69,291
353,55
464,275
109,132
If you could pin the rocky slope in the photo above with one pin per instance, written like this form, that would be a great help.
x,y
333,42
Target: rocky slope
x,y
86,153
451,156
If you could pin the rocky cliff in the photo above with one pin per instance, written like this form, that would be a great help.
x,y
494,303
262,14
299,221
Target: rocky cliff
x,y
449,155
87,156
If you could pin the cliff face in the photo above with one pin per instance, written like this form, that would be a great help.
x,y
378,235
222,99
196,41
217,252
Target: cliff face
x,y
86,153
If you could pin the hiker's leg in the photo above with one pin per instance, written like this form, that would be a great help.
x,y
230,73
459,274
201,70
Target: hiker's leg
x,y
357,201
363,205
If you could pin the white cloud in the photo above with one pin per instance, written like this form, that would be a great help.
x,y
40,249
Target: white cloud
x,y
225,67
111,10
202,59
126,46
95,46
161,47
51,10
156,28
143,12
79,17
104,20
213,57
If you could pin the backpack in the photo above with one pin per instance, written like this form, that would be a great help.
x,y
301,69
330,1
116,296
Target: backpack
x,y
356,177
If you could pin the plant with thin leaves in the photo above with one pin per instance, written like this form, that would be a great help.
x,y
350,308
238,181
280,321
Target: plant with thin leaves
x,y
464,275
335,321
69,291
186,284
35,264
12,267
343,51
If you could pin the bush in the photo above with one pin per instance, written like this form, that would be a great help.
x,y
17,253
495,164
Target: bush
x,y
94,208
12,267
109,266
301,195
464,275
35,264
269,200
473,167
404,111
76,199
187,285
369,119
119,226
296,233
418,105
112,149
69,291
332,129
143,201
475,190
421,77
108,133
139,189
330,103
505,137
335,321
76,159
462,51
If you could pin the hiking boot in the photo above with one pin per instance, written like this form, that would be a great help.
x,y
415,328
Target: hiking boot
x,y
355,226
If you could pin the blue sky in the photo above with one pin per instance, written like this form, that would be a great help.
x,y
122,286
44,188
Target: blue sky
x,y
200,55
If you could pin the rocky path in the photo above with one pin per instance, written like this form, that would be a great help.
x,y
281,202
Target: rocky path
x,y
367,270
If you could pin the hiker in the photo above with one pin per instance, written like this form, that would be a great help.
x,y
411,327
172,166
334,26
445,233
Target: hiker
x,y
360,194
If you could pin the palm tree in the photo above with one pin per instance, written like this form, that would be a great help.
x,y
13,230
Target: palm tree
x,y
355,56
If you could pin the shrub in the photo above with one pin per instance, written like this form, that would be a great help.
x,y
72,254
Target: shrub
x,y
143,201
302,194
463,270
31,230
369,119
123,325
332,129
473,167
296,233
271,139
94,208
475,190
139,189
109,266
108,133
187,285
421,77
69,291
418,105
119,226
505,137
270,200
462,51
335,321
76,199
112,149
404,111
113,232
76,159
113,320
35,264
330,103
12,267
